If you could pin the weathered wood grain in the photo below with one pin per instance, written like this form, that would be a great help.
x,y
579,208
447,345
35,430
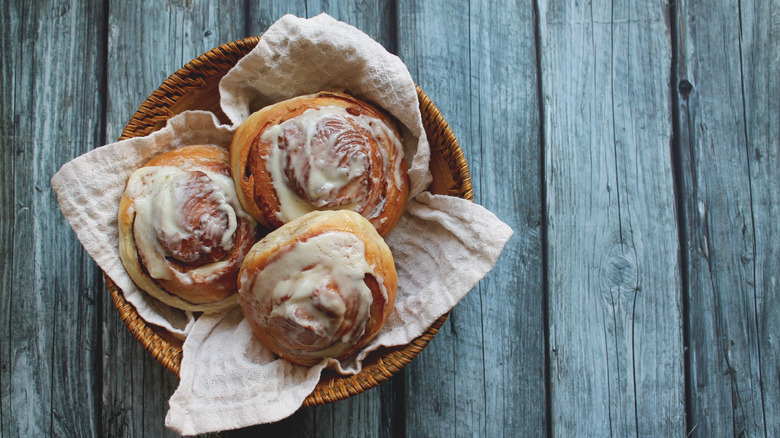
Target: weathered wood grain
x,y
50,113
507,156
431,52
74,71
261,15
760,58
484,373
615,310
728,82
374,17
148,41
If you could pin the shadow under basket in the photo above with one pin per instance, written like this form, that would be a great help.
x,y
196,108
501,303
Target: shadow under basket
x,y
196,87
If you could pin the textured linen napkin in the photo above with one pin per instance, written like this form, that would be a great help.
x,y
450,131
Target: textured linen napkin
x,y
442,246
90,186
297,56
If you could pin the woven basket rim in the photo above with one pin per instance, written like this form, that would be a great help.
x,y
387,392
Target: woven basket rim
x,y
152,114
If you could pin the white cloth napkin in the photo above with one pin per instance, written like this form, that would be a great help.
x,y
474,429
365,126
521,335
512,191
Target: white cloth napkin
x,y
297,56
442,245
90,186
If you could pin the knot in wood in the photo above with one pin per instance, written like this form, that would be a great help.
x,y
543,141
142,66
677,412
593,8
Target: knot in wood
x,y
685,87
619,272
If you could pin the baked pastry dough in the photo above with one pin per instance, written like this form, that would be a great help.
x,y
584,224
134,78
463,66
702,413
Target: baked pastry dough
x,y
324,151
182,232
320,286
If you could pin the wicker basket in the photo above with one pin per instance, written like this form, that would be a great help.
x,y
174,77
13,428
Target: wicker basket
x,y
196,87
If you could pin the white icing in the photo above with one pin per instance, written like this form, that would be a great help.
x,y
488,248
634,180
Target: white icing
x,y
324,176
291,205
299,287
384,134
156,195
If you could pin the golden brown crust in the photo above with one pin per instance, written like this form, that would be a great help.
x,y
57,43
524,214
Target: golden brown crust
x,y
208,280
259,306
378,195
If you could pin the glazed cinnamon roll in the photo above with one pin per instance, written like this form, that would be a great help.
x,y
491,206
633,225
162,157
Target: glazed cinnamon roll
x,y
321,286
182,232
325,151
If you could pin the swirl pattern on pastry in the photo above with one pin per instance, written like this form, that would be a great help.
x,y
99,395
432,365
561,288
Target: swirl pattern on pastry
x,y
321,286
325,151
182,232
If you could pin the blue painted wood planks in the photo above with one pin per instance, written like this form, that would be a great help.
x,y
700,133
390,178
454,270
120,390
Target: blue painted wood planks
x,y
633,147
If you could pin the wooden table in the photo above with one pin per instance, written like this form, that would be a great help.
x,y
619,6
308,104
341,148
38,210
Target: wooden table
x,y
634,147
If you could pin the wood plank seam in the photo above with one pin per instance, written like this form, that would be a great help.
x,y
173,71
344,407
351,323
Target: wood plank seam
x,y
679,91
549,349
752,212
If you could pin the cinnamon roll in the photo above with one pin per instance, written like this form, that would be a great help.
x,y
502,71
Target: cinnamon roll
x,y
324,151
182,232
321,286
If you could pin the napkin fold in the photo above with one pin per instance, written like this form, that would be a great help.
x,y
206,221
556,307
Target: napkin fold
x,y
442,246
89,188
297,56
